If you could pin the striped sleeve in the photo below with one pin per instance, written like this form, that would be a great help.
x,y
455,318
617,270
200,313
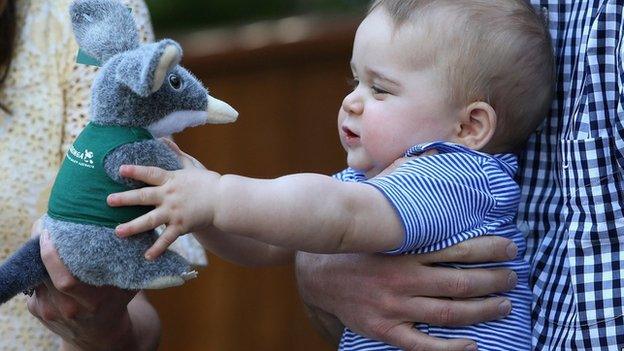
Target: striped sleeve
x,y
439,198
349,175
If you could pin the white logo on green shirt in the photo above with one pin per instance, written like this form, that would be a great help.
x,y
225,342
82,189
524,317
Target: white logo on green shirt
x,y
83,159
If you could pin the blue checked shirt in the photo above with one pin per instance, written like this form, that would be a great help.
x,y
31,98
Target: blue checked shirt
x,y
572,185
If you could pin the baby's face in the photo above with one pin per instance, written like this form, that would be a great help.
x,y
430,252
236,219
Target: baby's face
x,y
396,103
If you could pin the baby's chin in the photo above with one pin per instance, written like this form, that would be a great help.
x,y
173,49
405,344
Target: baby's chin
x,y
381,170
360,161
368,172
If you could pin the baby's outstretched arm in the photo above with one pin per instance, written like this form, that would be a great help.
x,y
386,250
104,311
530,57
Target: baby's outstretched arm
x,y
240,250
307,212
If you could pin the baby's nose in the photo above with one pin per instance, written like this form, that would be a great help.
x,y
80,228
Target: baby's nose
x,y
352,104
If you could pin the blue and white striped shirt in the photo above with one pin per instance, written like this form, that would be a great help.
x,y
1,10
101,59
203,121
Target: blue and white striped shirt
x,y
443,199
573,186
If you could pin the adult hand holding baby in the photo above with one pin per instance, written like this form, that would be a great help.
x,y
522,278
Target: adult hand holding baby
x,y
382,296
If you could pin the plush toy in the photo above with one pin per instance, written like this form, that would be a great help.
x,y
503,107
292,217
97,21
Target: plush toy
x,y
140,93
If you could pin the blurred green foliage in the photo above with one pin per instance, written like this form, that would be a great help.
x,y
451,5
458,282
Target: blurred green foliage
x,y
185,14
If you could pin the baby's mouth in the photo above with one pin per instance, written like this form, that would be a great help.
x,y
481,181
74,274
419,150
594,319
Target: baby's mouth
x,y
349,133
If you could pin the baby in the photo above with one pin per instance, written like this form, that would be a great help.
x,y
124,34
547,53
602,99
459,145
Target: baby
x,y
444,92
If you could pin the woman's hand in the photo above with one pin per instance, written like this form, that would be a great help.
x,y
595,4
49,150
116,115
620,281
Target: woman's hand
x,y
88,317
382,296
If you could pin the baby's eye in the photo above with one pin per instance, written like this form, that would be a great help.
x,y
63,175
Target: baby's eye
x,y
353,82
377,90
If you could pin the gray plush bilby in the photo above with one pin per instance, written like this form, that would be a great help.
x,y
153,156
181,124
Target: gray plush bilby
x,y
140,93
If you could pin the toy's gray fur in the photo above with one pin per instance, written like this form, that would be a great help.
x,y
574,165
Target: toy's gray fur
x,y
147,153
131,68
87,249
121,92
103,28
23,270
138,86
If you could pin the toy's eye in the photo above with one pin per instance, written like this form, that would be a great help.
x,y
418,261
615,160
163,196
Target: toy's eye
x,y
175,81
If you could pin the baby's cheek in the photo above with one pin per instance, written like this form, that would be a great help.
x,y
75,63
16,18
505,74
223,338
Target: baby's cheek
x,y
381,146
433,130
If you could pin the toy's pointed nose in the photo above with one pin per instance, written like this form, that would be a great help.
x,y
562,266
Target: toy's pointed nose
x,y
219,112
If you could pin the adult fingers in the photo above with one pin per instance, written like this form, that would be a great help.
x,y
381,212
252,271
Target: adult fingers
x,y
148,196
456,283
62,280
172,145
146,174
453,313
90,298
187,160
165,240
190,162
477,250
148,221
406,337
66,306
39,306
60,276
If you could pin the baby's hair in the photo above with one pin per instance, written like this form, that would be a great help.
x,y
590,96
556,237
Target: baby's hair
x,y
496,51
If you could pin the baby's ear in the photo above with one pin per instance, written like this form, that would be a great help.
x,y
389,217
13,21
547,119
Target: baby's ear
x,y
144,70
476,126
103,28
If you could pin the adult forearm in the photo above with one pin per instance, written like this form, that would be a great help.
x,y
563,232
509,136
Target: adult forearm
x,y
242,250
145,324
137,330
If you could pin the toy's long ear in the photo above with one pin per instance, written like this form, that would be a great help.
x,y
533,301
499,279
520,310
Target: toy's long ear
x,y
103,28
144,70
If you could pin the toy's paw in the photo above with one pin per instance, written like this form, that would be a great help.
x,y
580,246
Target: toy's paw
x,y
168,270
169,281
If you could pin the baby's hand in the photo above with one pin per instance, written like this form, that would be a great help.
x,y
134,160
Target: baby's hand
x,y
184,202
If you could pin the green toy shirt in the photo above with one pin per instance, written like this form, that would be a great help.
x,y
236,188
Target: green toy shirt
x,y
82,185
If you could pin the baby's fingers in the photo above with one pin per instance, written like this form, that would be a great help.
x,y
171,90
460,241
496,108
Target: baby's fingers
x,y
148,221
149,175
149,196
165,240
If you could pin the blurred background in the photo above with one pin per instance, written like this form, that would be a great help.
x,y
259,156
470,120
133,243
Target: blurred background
x,y
188,14
283,64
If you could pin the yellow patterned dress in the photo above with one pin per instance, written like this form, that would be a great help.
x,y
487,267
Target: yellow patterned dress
x,y
48,96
